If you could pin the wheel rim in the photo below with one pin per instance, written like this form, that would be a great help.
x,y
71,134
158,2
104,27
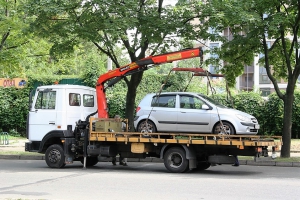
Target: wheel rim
x,y
225,130
54,156
175,160
146,129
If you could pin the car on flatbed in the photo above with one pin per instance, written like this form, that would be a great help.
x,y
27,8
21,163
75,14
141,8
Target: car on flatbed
x,y
192,113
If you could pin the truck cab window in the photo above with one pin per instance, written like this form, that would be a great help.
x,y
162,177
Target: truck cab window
x,y
88,100
74,99
46,100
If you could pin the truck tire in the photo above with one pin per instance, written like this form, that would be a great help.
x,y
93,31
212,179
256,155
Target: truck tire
x,y
175,160
229,130
55,157
90,161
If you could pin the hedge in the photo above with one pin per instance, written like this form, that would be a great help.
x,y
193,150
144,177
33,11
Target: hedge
x,y
14,104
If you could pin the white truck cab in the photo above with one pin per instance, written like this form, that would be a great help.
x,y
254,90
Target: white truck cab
x,y
55,109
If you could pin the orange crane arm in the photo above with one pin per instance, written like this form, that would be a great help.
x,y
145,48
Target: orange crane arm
x,y
141,65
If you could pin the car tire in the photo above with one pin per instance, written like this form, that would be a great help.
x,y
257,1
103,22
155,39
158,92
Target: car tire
x,y
142,127
175,160
229,130
54,156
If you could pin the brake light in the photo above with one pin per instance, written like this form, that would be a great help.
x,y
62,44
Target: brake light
x,y
138,109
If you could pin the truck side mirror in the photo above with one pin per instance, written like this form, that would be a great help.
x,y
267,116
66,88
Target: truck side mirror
x,y
30,99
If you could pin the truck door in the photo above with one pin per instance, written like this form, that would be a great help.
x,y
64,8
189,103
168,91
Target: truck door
x,y
42,114
81,103
191,116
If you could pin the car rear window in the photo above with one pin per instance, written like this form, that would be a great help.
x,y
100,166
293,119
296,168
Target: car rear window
x,y
164,101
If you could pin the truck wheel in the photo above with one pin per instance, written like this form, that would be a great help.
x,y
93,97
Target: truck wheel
x,y
90,161
55,157
175,160
227,127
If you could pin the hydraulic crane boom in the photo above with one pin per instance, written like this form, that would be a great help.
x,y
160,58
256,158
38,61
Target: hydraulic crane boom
x,y
141,65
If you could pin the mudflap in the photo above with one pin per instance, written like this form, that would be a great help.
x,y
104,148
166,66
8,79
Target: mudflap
x,y
69,150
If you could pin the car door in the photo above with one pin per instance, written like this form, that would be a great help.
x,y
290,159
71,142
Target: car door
x,y
191,116
165,112
43,114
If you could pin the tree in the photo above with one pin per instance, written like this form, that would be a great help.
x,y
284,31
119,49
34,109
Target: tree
x,y
141,28
252,24
12,39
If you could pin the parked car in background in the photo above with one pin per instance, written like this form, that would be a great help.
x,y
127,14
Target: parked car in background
x,y
191,112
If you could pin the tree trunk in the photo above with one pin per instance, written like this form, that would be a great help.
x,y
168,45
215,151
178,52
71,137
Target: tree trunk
x,y
130,98
287,123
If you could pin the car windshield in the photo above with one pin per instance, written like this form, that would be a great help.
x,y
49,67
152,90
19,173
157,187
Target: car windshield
x,y
212,101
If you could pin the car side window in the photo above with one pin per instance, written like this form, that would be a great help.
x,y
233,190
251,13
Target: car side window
x,y
190,102
164,101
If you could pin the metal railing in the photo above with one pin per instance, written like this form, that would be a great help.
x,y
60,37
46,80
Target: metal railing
x,y
4,138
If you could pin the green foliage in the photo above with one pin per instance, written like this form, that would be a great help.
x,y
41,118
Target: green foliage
x,y
13,109
12,37
274,114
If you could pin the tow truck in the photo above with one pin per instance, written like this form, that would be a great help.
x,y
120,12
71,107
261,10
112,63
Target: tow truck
x,y
70,123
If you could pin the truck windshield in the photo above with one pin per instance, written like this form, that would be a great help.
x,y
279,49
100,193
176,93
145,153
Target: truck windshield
x,y
211,100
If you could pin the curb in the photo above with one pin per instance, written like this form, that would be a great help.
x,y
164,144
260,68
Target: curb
x,y
266,162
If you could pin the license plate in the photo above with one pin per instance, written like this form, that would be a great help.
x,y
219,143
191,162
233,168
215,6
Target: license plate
x,y
256,126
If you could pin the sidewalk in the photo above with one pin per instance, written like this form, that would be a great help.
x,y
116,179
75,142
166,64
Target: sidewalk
x,y
15,150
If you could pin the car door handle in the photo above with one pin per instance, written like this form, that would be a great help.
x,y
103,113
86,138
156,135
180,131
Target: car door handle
x,y
183,112
53,123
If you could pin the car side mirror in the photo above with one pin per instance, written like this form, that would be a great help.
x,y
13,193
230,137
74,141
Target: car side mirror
x,y
205,107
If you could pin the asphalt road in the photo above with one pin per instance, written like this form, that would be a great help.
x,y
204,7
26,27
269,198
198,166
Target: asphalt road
x,y
29,179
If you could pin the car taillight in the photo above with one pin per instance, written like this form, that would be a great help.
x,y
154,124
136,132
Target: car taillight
x,y
138,109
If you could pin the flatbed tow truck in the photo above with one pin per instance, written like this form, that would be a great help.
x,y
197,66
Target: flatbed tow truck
x,y
77,133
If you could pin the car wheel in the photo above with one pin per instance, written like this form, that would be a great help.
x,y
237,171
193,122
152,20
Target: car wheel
x,y
146,126
55,157
227,129
175,160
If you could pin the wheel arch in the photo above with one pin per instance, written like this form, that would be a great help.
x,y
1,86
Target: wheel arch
x,y
212,131
53,137
142,120
190,152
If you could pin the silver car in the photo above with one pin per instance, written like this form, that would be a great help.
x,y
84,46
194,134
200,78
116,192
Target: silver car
x,y
188,112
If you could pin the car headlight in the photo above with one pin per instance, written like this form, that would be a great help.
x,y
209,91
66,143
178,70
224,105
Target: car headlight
x,y
243,118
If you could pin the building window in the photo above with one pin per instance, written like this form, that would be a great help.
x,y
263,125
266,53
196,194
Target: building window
x,y
248,78
265,92
263,77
